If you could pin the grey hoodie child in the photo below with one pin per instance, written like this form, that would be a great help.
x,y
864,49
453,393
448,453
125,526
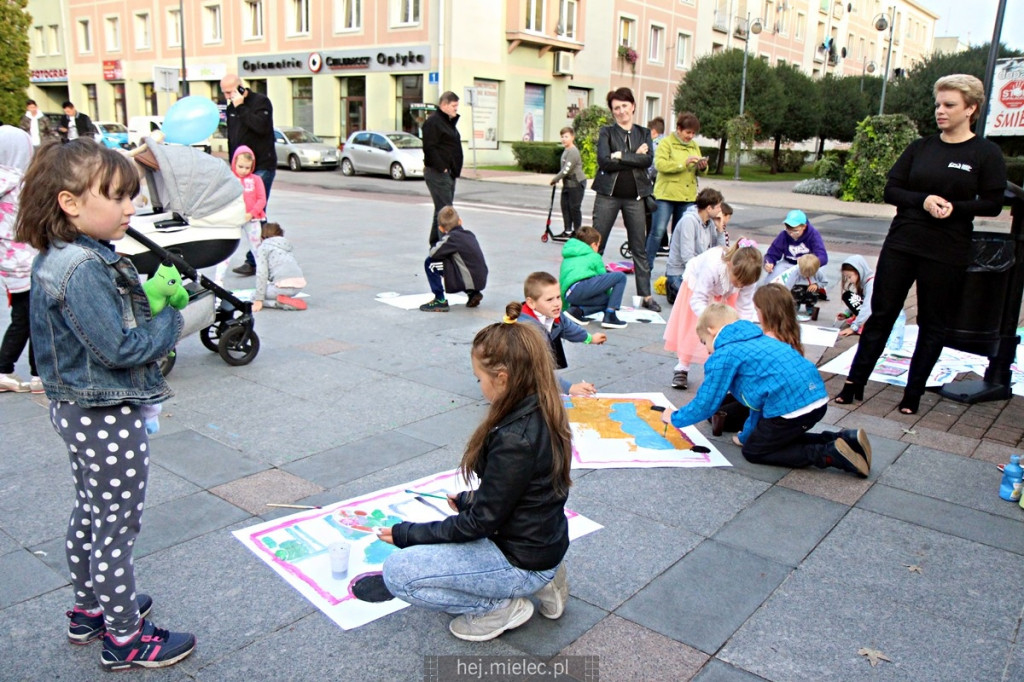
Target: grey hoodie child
x,y
861,294
274,263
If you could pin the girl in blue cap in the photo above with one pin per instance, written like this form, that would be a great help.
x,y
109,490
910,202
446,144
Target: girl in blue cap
x,y
797,238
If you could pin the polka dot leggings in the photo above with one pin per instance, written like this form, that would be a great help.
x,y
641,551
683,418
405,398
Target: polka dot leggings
x,y
108,448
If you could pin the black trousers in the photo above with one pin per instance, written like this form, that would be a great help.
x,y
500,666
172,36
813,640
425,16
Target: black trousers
x,y
939,290
786,443
441,186
572,207
17,335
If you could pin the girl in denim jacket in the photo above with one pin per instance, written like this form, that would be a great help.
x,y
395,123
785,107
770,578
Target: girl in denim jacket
x,y
96,347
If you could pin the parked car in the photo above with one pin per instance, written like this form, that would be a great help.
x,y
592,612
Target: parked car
x,y
112,134
142,126
394,153
298,149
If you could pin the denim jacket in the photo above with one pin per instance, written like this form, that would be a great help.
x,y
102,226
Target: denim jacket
x,y
92,335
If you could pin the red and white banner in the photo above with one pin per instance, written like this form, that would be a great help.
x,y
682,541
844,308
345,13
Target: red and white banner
x,y
1006,110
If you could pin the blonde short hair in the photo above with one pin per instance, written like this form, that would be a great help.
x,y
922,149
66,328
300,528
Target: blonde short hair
x,y
448,218
972,89
716,315
809,264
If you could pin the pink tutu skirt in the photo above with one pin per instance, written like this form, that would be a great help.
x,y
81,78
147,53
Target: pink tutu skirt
x,y
681,331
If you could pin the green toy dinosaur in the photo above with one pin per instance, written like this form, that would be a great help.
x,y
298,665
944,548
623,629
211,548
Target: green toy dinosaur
x,y
164,288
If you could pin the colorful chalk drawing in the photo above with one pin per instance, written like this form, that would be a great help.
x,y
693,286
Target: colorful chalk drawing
x,y
625,430
296,546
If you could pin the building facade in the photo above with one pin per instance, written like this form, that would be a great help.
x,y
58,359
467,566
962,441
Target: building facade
x,y
336,66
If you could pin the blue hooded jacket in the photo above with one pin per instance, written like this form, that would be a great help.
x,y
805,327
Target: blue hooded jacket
x,y
766,375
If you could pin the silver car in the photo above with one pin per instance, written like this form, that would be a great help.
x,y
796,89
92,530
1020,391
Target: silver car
x,y
298,149
395,153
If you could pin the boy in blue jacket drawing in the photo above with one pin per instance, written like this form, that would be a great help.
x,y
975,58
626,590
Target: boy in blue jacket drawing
x,y
783,390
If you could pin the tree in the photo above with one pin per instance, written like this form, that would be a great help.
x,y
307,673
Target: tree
x,y
14,25
802,116
844,106
878,143
711,90
586,128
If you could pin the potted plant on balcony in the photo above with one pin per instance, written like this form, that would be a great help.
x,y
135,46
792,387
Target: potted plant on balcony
x,y
628,54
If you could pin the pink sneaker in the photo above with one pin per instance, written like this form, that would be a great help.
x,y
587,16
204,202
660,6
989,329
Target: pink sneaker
x,y
289,303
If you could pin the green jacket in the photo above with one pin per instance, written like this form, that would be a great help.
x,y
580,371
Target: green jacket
x,y
676,181
579,261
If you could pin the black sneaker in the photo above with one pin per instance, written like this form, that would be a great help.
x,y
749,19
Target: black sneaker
x,y
846,458
612,321
474,299
651,305
151,647
562,237
84,628
438,305
858,442
245,270
575,313
679,379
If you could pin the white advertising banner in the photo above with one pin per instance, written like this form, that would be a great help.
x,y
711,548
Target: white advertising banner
x,y
1006,111
485,114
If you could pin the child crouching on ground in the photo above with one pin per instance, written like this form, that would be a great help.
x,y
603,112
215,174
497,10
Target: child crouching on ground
x,y
543,307
456,258
587,288
858,287
278,275
806,282
783,390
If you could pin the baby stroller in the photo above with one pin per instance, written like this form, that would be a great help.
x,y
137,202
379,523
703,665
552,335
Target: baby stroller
x,y
196,218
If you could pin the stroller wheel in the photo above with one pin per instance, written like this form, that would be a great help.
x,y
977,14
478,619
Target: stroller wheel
x,y
166,363
624,250
236,348
211,338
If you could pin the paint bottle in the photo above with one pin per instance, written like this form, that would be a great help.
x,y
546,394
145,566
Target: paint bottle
x,y
895,341
338,553
1009,489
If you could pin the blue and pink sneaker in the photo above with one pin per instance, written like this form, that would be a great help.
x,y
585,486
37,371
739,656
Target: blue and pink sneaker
x,y
152,647
84,628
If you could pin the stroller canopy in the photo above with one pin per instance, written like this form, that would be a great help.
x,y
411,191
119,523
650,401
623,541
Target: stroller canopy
x,y
191,182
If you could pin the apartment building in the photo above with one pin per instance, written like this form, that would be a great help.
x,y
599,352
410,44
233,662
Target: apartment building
x,y
336,66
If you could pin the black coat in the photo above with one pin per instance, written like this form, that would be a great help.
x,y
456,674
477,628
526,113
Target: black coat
x,y
442,145
82,122
515,505
252,125
614,139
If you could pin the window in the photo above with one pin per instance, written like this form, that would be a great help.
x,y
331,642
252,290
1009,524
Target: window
x,y
801,19
40,40
302,103
627,32
84,36
173,28
652,107
142,37
683,46
54,39
535,15
655,50
212,31
94,102
782,23
113,33
252,19
348,15
299,22
567,19
405,12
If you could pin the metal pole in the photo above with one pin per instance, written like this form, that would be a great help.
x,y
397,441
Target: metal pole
x,y
181,26
743,93
888,58
990,68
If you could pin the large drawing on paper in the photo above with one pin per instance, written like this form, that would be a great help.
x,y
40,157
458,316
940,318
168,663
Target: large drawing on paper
x,y
625,430
303,548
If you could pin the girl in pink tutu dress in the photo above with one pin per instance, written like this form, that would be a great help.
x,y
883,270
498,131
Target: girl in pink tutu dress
x,y
719,275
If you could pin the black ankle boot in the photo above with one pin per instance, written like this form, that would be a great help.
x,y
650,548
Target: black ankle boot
x,y
851,391
911,403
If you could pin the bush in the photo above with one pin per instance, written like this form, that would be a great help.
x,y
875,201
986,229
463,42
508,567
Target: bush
x,y
587,126
830,166
878,143
821,187
790,160
712,154
542,157
1015,170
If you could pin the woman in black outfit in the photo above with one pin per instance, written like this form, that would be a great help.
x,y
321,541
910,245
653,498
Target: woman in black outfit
x,y
938,185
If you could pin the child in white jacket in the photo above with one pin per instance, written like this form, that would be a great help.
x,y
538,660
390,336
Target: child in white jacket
x,y
278,275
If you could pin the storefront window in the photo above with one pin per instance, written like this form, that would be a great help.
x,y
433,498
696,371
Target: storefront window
x,y
302,103
120,110
353,105
149,101
94,103
409,91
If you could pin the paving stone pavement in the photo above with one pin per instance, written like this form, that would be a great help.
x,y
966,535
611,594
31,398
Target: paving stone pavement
x,y
741,573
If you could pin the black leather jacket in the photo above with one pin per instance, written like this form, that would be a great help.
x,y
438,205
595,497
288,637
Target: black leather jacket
x,y
515,505
442,145
614,139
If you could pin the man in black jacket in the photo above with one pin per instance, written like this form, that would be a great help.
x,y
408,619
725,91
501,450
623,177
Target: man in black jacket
x,y
250,117
442,156
74,124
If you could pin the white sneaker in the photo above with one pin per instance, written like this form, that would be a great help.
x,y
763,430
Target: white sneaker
x,y
35,384
11,382
554,595
485,626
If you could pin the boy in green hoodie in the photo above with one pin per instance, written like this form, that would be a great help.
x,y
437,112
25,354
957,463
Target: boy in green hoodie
x,y
586,287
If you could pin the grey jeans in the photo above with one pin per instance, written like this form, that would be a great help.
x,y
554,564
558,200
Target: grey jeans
x,y
606,210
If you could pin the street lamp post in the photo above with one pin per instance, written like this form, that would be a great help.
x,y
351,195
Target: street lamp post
x,y
754,28
181,26
882,22
866,67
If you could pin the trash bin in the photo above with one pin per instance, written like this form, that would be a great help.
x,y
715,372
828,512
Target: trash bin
x,y
986,321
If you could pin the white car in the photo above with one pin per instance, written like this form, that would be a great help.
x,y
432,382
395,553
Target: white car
x,y
394,153
298,149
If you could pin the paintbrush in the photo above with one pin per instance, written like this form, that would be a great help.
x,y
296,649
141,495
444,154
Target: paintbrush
x,y
294,506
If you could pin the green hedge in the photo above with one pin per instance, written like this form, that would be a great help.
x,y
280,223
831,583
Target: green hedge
x,y
542,157
712,154
790,160
831,164
1015,170
878,143
587,126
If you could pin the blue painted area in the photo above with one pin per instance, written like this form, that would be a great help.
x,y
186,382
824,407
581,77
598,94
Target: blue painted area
x,y
642,432
378,550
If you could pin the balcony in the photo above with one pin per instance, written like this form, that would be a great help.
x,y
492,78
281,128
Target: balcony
x,y
720,22
545,43
741,29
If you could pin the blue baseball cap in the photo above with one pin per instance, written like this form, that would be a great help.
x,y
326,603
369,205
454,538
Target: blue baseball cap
x,y
795,217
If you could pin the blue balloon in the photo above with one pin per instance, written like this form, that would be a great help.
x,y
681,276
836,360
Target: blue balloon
x,y
190,120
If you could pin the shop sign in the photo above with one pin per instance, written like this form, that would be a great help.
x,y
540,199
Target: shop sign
x,y
112,70
311,63
48,76
1006,116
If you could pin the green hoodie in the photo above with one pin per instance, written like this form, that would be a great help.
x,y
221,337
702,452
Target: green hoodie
x,y
579,261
